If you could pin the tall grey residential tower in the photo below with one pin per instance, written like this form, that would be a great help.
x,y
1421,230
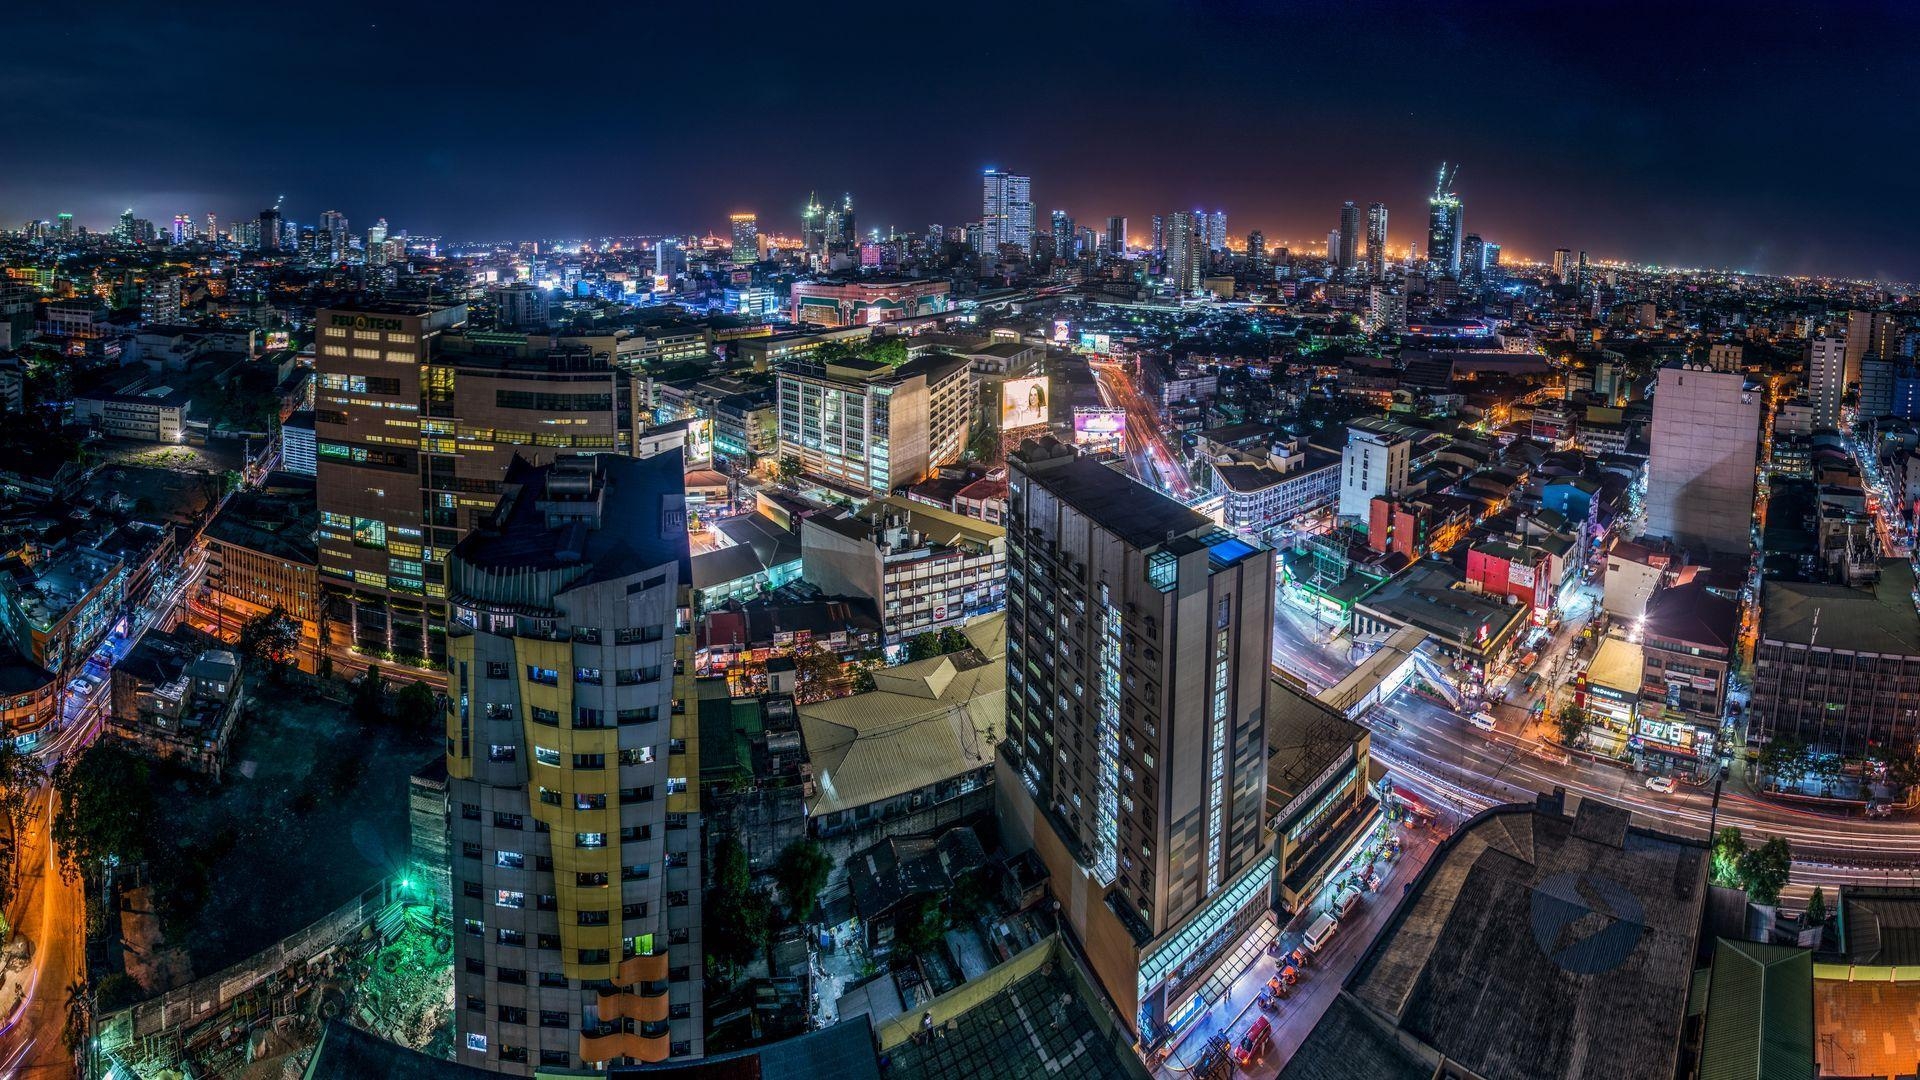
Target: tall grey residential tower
x,y
1138,641
1376,240
1348,254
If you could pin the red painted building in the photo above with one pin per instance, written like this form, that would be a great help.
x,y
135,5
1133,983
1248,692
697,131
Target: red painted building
x,y
1524,573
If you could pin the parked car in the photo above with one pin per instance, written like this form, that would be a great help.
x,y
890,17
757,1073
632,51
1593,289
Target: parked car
x,y
1253,1045
1661,784
1347,902
1482,719
1878,809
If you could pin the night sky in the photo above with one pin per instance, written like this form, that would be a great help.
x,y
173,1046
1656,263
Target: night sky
x,y
1763,137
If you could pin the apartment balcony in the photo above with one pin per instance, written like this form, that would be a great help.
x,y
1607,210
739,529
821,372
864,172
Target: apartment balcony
x,y
647,1004
644,968
615,1043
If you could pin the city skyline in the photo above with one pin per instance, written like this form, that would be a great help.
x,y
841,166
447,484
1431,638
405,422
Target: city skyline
x,y
1559,145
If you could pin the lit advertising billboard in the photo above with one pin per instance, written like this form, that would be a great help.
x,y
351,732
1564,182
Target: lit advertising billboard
x,y
1023,403
1098,429
1092,342
278,339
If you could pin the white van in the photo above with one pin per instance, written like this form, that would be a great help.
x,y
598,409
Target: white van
x,y
1482,720
1321,932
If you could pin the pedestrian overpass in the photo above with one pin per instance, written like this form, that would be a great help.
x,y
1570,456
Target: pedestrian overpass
x,y
1379,677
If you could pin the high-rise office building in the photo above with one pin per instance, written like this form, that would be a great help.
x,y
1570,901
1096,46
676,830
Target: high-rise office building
x,y
213,229
1705,446
1006,213
1257,253
333,234
414,425
869,427
1562,262
1473,258
576,853
844,229
1376,240
1116,236
1373,463
1138,640
1869,333
1159,235
813,228
1347,256
1217,230
123,232
182,231
746,239
1444,227
377,243
1062,235
1826,380
1186,250
272,238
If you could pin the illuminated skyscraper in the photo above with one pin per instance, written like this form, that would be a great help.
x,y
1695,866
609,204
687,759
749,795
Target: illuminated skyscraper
x,y
1473,258
1443,227
1159,235
1869,333
1186,250
1562,262
332,238
813,228
1006,213
124,231
1062,235
746,239
1348,255
213,229
377,243
271,238
1376,240
1257,253
1216,230
1117,236
1139,636
1826,380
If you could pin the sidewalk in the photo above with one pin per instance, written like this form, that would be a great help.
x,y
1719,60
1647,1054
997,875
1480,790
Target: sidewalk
x,y
1319,983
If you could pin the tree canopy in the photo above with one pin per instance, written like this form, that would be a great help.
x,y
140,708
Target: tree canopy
x,y
736,911
801,870
105,809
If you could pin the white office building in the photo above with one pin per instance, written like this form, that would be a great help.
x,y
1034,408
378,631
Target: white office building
x,y
1372,464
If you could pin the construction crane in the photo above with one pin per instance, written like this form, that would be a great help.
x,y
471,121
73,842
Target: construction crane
x,y
1443,187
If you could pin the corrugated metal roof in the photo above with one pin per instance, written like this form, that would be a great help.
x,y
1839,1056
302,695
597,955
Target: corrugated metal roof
x,y
924,722
1759,1013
